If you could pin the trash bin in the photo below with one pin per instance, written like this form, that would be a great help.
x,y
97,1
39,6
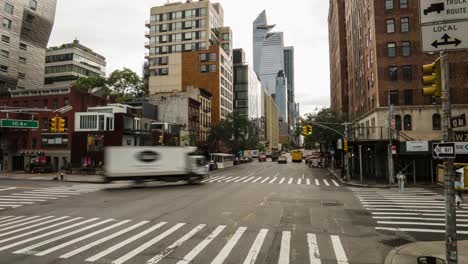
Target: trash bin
x,y
430,260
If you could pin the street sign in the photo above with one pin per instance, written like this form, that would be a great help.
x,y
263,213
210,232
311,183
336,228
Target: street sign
x,y
443,150
443,10
12,123
458,121
447,36
461,136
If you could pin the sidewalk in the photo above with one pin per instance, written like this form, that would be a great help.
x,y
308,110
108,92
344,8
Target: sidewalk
x,y
50,176
409,253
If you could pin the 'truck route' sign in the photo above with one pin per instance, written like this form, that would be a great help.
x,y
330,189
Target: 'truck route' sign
x,y
443,10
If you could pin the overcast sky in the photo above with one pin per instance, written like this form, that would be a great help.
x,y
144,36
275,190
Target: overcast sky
x,y
116,29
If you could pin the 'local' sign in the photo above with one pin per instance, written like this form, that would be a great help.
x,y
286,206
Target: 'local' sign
x,y
12,123
443,10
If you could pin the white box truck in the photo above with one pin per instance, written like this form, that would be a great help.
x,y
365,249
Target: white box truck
x,y
170,164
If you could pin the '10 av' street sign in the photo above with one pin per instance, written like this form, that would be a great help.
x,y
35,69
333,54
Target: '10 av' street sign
x,y
12,123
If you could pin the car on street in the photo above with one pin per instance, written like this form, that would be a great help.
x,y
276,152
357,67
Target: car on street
x,y
237,161
262,158
212,165
283,159
244,160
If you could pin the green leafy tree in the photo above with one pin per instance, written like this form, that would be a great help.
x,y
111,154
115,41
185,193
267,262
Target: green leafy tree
x,y
87,83
126,83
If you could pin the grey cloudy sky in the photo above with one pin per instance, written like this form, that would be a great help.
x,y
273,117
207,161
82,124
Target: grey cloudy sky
x,y
116,29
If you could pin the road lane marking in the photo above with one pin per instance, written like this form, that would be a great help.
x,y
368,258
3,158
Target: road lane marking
x,y
11,205
22,223
317,182
415,223
404,206
225,179
102,240
290,181
299,181
33,226
71,242
51,192
285,248
314,254
256,180
308,181
282,180
256,247
166,252
416,214
7,189
240,179
339,250
266,179
414,218
43,235
276,175
195,251
400,200
326,182
21,200
407,210
233,179
272,181
13,220
417,230
403,203
2,218
249,179
124,243
28,196
212,179
32,232
336,184
44,195
16,202
148,244
224,253
27,250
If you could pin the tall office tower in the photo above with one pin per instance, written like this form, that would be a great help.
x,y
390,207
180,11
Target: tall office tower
x,y
289,72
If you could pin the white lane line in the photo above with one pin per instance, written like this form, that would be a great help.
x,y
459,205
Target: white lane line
x,y
11,205
403,206
71,242
406,210
7,189
5,217
102,240
21,220
146,245
20,199
249,179
55,192
399,200
240,179
402,203
16,202
276,175
282,180
212,179
42,235
299,181
28,196
336,184
124,243
224,253
196,250
417,230
166,252
414,214
256,180
233,179
308,181
11,219
256,247
414,218
339,250
44,195
33,226
26,223
27,250
266,179
290,181
285,248
415,223
317,182
326,182
399,196
272,181
314,254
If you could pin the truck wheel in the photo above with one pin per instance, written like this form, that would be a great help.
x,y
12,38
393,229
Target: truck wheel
x,y
194,181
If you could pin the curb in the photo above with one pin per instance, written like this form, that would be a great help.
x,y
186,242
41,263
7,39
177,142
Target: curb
x,y
51,180
392,254
359,185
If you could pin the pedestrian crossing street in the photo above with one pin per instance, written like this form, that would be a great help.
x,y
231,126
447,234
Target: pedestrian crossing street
x,y
416,210
15,198
118,242
276,179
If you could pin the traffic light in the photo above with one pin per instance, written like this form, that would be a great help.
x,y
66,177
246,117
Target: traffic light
x,y
432,79
304,131
61,124
161,139
309,130
53,124
345,145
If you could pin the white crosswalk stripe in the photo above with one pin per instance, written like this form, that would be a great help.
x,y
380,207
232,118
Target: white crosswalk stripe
x,y
274,180
415,210
7,189
65,237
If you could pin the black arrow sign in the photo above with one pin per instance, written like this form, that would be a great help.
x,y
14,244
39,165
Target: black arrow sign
x,y
446,41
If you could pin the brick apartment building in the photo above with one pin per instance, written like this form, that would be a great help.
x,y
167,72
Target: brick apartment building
x,y
20,146
384,59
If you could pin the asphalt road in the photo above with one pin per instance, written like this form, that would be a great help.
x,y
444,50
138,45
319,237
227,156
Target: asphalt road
x,y
253,213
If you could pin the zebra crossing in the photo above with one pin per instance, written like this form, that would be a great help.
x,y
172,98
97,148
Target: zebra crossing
x,y
273,180
416,210
127,241
17,199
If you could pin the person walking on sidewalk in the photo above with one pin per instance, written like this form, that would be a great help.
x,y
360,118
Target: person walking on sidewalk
x,y
458,190
401,181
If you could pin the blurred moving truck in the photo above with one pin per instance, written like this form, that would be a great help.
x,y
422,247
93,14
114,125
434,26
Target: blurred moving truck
x,y
169,164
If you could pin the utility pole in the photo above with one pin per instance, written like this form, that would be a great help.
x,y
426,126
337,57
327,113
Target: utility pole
x,y
450,212
390,141
346,139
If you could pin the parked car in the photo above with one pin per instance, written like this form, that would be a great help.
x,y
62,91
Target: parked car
x,y
237,161
283,159
244,160
274,156
262,158
212,165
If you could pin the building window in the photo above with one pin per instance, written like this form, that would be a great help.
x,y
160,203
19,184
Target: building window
x,y
390,25
203,68
21,75
22,60
5,54
393,73
403,3
33,4
212,68
406,48
203,57
66,102
436,122
55,103
408,73
33,143
408,123
213,57
408,97
88,122
391,49
23,46
9,8
3,68
398,123
45,123
5,39
6,23
394,97
45,103
389,5
404,24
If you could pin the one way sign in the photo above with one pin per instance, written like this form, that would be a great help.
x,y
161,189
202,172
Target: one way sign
x,y
443,150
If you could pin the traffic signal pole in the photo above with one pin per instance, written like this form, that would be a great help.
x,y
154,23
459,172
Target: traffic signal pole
x,y
450,212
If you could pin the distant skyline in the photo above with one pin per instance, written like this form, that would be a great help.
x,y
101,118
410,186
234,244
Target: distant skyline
x,y
116,29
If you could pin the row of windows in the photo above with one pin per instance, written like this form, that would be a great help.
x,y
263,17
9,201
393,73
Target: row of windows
x,y
178,48
159,72
226,103
179,14
70,68
45,103
159,61
404,25
407,73
226,93
59,58
208,68
395,97
405,49
194,35
204,57
6,54
390,4
177,26
6,39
